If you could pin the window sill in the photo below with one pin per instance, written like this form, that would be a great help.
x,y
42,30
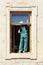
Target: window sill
x,y
18,55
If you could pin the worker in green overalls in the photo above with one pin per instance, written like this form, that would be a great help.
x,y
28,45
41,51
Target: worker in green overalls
x,y
23,46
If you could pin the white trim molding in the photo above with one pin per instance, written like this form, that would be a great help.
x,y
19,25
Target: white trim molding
x,y
32,54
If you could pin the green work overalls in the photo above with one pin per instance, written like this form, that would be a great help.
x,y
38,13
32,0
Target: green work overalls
x,y
23,46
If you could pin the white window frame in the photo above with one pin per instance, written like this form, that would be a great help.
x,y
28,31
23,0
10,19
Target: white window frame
x,y
32,54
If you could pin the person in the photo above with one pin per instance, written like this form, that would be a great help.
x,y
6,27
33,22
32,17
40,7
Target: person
x,y
23,46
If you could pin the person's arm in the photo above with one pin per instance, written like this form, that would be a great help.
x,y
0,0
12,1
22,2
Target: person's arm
x,y
19,31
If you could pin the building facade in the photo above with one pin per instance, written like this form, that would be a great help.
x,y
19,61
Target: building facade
x,y
35,10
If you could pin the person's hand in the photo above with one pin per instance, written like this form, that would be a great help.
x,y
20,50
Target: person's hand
x,y
18,31
29,24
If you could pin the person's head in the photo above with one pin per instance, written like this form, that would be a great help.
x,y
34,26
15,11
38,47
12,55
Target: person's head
x,y
21,22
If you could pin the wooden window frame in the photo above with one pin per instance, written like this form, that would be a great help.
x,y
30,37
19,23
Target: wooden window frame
x,y
32,53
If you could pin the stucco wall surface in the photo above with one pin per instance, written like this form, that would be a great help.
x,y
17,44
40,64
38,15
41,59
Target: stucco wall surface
x,y
3,31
